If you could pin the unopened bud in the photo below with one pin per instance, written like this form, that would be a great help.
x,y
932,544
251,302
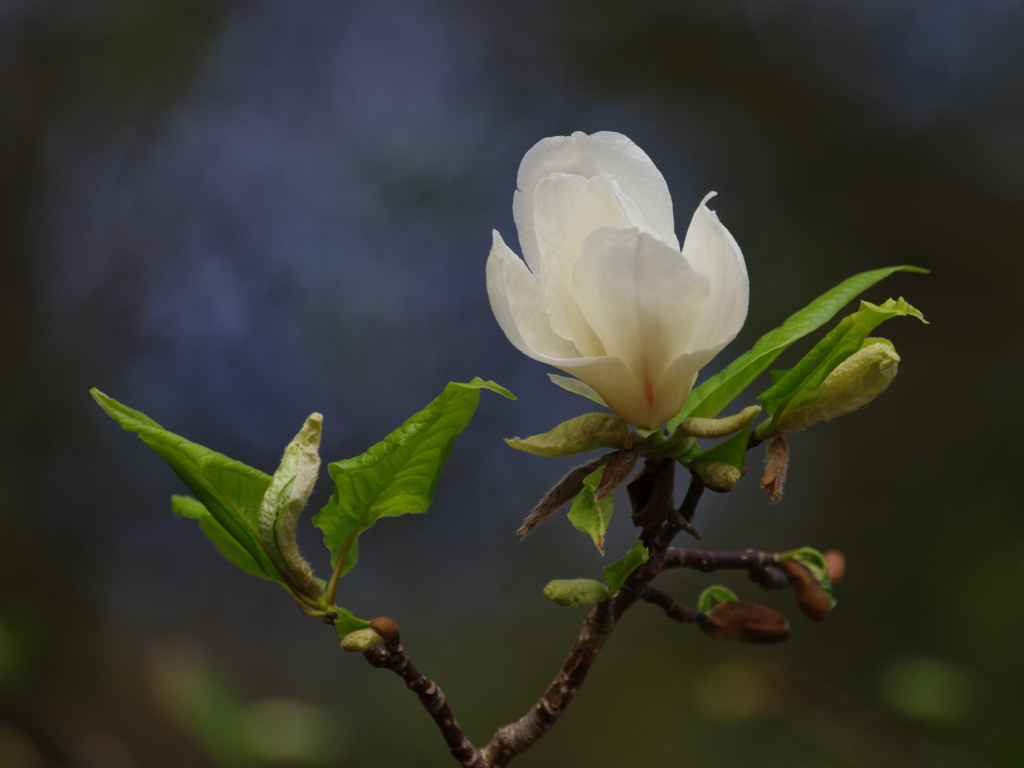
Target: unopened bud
x,y
575,592
812,598
717,475
283,502
712,428
855,382
746,623
584,433
836,562
361,640
386,628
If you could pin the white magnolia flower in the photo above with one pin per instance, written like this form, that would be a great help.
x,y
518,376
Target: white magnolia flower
x,y
606,294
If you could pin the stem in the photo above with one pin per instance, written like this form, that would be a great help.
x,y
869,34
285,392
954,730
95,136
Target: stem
x,y
675,611
745,560
515,738
433,699
763,566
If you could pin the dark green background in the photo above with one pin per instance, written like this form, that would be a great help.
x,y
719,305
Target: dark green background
x,y
231,214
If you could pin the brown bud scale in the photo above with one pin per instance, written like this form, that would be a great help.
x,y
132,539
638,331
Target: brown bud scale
x,y
810,595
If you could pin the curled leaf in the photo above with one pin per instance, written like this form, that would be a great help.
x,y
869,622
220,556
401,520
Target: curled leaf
x,y
714,595
617,573
713,428
584,433
283,502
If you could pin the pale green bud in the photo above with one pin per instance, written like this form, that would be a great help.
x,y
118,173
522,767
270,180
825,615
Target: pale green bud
x,y
584,433
712,428
575,592
717,475
361,640
855,382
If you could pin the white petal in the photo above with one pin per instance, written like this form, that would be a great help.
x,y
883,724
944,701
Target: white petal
x,y
712,251
582,155
615,383
673,387
556,205
596,206
518,304
641,297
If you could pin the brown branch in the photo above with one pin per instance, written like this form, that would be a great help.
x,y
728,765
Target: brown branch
x,y
515,738
674,610
763,566
433,699
746,560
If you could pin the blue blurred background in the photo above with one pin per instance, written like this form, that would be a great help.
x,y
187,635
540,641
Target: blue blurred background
x,y
232,214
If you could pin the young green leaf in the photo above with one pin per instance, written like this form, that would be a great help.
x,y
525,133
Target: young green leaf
x,y
284,501
714,595
842,341
228,490
617,573
398,475
718,391
589,513
732,451
186,506
346,623
573,593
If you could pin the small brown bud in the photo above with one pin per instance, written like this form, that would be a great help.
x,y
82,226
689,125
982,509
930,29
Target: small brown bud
x,y
746,622
386,628
810,595
836,562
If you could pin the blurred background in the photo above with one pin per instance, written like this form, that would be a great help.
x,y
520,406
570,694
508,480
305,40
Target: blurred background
x,y
231,214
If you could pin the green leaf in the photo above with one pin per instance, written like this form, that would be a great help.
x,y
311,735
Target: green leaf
x,y
573,593
186,506
346,622
397,476
714,595
732,451
590,514
718,391
617,573
816,564
230,491
842,341
584,433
